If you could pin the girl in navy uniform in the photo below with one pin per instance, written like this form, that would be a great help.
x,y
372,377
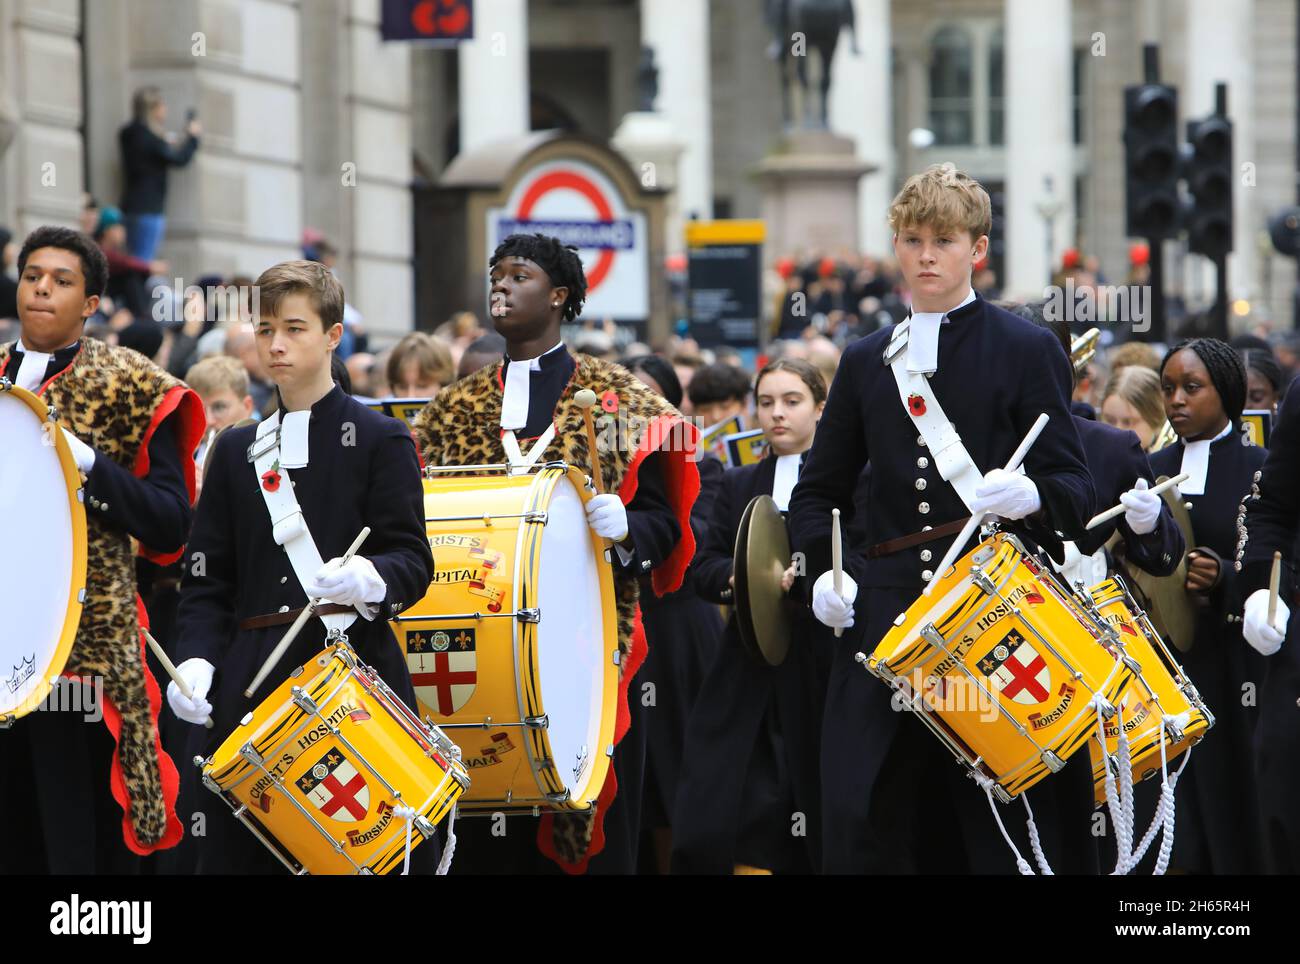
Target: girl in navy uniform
x,y
750,762
1204,385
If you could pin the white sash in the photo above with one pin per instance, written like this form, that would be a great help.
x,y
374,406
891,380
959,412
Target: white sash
x,y
288,526
520,463
947,450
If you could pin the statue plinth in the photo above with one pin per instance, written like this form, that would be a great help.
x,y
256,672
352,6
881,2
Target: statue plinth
x,y
810,193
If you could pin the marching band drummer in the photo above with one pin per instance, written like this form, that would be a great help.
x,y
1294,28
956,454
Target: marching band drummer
x,y
1272,524
682,634
750,755
1204,385
524,409
1121,474
892,797
333,466
89,798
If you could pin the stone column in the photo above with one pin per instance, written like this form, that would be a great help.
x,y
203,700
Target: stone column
x,y
861,107
678,30
1039,139
1220,49
494,75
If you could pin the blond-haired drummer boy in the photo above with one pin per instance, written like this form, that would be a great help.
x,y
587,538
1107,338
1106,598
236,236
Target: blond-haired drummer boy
x,y
893,800
346,467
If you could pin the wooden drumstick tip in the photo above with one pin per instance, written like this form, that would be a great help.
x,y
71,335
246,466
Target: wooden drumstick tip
x,y
584,398
1274,583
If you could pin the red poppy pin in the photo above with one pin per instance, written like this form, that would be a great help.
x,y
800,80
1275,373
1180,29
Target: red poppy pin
x,y
271,478
609,401
916,405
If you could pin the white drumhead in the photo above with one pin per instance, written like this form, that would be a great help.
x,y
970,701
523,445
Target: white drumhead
x,y
36,566
571,650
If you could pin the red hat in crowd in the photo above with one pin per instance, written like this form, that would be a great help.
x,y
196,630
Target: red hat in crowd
x,y
1070,259
785,267
826,268
1139,254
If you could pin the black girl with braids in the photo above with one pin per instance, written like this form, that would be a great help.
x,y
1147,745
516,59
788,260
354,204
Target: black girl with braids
x,y
1203,382
1264,380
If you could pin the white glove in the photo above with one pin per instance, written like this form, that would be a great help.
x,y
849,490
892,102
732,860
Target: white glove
x,y
1008,494
1143,508
81,452
607,517
1265,638
834,609
348,584
197,674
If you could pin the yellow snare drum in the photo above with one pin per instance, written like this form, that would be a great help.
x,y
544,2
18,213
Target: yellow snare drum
x,y
43,576
1161,689
514,649
1003,665
320,769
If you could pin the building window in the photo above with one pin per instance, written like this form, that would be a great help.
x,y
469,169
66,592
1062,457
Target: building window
x,y
997,113
951,108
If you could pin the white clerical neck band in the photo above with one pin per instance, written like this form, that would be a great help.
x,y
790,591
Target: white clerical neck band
x,y
514,399
1196,462
923,336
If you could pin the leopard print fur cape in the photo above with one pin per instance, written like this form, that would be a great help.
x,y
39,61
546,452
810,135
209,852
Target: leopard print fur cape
x,y
109,397
462,427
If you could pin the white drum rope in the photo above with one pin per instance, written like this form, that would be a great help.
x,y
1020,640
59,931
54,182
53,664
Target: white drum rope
x,y
444,865
1034,842
986,785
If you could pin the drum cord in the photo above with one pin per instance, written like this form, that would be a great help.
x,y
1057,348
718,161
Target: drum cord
x,y
1034,841
986,784
1121,814
408,814
444,865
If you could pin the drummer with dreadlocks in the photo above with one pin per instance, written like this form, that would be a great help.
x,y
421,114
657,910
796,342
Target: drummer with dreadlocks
x,y
524,409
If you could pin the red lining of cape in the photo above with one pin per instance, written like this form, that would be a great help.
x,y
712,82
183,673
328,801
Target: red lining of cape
x,y
190,432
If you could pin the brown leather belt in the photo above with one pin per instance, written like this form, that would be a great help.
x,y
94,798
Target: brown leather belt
x,y
915,539
284,618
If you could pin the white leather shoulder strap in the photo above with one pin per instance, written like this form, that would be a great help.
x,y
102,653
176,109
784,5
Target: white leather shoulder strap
x,y
288,526
922,406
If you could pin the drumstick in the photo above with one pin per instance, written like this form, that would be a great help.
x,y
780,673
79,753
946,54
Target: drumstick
x,y
171,670
837,562
1274,580
1109,514
585,399
306,614
974,521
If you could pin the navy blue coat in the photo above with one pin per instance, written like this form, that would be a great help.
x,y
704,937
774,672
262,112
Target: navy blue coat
x,y
865,421
374,482
1116,461
1273,524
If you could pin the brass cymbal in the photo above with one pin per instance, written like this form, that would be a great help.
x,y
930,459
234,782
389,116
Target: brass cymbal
x,y
762,555
1171,607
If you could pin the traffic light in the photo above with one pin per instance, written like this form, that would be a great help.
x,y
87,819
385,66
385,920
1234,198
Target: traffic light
x,y
1151,160
1208,163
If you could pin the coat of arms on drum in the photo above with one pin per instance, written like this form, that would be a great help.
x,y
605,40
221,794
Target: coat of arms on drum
x,y
444,667
1017,671
336,788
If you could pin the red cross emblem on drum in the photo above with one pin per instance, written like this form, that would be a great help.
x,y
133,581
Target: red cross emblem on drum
x,y
444,667
1017,671
336,788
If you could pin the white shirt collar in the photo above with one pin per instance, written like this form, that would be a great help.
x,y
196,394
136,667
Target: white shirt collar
x,y
923,337
514,400
1196,463
787,475
32,370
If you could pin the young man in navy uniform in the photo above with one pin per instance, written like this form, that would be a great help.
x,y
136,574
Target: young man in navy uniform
x,y
349,467
893,800
1272,524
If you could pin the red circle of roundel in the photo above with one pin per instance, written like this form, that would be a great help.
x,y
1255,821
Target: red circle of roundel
x,y
428,21
574,182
